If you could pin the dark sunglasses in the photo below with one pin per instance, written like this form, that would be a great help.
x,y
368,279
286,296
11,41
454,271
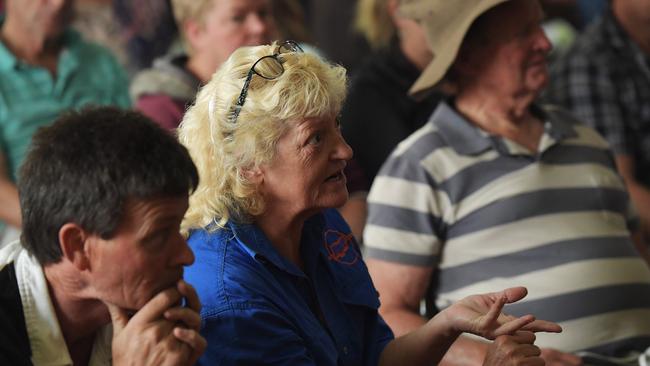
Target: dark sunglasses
x,y
268,67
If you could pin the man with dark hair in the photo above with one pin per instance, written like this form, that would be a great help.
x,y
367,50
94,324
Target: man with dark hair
x,y
103,193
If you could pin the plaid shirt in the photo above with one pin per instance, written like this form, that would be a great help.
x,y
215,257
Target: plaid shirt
x,y
604,79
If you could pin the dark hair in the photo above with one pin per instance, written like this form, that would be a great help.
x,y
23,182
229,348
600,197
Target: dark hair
x,y
84,167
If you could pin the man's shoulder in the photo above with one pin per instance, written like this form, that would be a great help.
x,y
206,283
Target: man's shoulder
x,y
14,341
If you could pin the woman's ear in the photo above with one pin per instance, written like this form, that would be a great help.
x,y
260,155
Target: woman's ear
x,y
254,175
73,239
194,32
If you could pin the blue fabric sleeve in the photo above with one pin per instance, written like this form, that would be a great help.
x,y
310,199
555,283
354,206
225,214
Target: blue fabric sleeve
x,y
252,336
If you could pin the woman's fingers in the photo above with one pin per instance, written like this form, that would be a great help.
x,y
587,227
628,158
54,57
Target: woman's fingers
x,y
543,326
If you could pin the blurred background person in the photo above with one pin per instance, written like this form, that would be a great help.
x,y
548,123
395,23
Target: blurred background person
x,y
379,112
499,189
331,25
605,81
211,31
147,30
46,68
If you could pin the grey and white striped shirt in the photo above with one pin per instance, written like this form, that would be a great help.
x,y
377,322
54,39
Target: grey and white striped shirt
x,y
488,214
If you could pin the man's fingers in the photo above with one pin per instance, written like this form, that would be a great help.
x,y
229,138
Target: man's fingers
x,y
543,326
190,295
523,337
119,317
529,350
155,308
190,318
555,357
192,338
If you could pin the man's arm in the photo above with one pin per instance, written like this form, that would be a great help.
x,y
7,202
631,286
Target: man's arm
x,y
401,288
640,197
9,204
355,212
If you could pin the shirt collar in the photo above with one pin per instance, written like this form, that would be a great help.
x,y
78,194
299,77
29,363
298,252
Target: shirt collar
x,y
467,139
558,122
458,132
45,336
260,247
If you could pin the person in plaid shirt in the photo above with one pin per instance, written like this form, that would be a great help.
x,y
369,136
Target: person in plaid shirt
x,y
604,79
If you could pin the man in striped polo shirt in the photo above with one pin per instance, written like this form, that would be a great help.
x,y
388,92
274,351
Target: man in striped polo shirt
x,y
495,190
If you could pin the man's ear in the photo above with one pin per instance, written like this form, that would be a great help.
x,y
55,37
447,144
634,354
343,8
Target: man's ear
x,y
73,239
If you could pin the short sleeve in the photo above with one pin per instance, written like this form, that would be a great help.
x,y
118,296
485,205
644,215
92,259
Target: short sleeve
x,y
404,218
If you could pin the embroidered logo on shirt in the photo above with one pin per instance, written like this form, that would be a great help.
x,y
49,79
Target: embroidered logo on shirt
x,y
340,247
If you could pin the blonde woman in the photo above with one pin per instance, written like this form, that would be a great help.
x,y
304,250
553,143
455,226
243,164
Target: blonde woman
x,y
278,273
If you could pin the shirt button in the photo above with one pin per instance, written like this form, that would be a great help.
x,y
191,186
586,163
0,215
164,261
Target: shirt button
x,y
345,350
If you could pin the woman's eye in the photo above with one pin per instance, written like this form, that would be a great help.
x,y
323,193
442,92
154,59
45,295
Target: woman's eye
x,y
238,18
315,139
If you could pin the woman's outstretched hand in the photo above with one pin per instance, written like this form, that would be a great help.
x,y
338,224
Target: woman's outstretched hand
x,y
482,315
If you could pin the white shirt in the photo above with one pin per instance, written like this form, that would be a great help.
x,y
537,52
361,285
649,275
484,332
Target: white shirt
x,y
45,336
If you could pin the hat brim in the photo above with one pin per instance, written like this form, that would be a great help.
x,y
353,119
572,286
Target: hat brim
x,y
445,51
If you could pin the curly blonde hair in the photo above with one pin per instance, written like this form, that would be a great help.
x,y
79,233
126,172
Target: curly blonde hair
x,y
223,151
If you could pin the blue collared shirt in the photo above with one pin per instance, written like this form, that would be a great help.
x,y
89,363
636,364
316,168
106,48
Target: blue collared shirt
x,y
259,308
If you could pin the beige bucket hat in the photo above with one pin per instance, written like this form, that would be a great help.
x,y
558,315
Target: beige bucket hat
x,y
445,23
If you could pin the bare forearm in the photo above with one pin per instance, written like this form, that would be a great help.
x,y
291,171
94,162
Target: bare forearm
x,y
639,193
402,320
424,346
9,204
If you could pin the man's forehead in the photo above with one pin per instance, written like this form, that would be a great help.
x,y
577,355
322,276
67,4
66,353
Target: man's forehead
x,y
141,214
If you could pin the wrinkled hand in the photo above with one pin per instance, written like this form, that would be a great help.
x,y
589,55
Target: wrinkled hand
x,y
481,315
161,333
514,350
554,357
